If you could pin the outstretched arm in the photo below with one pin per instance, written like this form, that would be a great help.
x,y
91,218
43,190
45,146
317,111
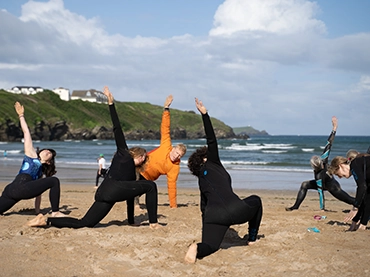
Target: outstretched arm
x,y
117,130
212,151
166,122
28,145
329,143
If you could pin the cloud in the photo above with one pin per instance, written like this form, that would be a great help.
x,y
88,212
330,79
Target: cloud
x,y
266,63
279,17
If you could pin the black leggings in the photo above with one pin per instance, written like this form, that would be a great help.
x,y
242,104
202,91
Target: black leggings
x,y
333,187
363,213
23,187
110,192
213,234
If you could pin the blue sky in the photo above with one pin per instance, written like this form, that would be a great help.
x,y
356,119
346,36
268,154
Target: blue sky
x,y
285,66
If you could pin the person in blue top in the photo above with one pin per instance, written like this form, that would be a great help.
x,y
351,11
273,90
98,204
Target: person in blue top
x,y
219,205
28,183
323,179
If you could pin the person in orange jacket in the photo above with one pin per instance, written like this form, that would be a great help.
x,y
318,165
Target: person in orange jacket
x,y
165,159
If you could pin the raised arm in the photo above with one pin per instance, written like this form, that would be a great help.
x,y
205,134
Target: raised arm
x,y
117,130
166,122
329,143
212,151
28,145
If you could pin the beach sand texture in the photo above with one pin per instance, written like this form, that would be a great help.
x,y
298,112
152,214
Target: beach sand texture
x,y
113,248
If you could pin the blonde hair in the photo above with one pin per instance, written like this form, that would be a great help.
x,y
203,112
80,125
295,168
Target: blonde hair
x,y
351,154
316,162
182,148
336,162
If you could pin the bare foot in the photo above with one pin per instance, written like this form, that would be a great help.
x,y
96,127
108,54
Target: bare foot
x,y
154,226
191,255
57,214
39,220
361,227
252,242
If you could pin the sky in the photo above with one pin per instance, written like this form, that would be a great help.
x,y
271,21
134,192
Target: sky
x,y
284,66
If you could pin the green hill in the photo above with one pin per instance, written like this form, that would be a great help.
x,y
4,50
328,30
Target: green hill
x,y
77,114
250,131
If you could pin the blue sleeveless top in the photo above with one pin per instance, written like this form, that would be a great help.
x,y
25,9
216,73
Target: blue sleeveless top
x,y
31,166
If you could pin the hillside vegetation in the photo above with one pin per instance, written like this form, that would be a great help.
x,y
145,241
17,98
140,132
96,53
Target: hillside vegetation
x,y
48,107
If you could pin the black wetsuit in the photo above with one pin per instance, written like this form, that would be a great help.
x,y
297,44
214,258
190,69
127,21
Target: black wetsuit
x,y
220,206
360,169
323,181
119,185
27,185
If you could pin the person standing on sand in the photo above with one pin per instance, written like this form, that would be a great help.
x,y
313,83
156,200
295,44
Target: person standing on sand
x,y
27,184
119,185
102,169
323,180
165,160
220,206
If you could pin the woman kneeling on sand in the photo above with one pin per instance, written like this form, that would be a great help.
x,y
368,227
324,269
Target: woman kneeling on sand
x,y
119,185
220,206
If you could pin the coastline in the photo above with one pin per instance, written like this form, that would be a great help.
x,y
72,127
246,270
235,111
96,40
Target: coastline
x,y
113,248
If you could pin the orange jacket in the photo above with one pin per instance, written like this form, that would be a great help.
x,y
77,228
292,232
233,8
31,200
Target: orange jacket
x,y
160,163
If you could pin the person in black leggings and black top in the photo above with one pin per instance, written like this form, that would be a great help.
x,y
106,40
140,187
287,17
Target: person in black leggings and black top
x,y
119,185
220,206
323,180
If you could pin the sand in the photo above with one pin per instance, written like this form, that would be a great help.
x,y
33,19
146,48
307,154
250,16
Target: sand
x,y
113,248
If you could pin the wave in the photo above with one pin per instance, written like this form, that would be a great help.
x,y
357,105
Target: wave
x,y
274,151
308,149
11,151
3,142
256,146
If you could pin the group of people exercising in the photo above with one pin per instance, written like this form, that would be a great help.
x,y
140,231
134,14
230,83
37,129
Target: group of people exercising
x,y
133,171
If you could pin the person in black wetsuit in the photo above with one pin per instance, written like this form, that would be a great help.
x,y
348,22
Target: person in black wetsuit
x,y
119,185
28,183
220,206
359,168
323,180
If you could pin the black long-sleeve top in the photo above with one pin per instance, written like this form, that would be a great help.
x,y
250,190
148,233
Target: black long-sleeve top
x,y
360,169
122,167
218,201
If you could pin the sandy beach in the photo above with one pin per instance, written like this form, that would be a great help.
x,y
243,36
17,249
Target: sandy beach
x,y
113,248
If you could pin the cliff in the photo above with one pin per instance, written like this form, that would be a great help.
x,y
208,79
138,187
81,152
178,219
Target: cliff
x,y
50,118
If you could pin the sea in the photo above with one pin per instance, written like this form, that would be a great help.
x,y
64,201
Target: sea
x,y
257,161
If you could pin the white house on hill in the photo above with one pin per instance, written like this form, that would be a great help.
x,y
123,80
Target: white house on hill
x,y
63,93
90,95
26,90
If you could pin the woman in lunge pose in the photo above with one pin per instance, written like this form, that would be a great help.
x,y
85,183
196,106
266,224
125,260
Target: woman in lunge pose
x,y
28,183
220,206
359,167
323,180
119,185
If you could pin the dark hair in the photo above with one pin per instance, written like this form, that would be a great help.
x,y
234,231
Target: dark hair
x,y
48,169
196,160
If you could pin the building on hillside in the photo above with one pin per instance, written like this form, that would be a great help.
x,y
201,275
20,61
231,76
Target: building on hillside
x,y
26,90
63,93
90,95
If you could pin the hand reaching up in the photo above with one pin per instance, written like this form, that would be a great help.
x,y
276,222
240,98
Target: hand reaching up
x,y
200,106
109,95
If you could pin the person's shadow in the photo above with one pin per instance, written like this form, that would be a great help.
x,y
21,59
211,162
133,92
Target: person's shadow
x,y
31,211
233,239
140,218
